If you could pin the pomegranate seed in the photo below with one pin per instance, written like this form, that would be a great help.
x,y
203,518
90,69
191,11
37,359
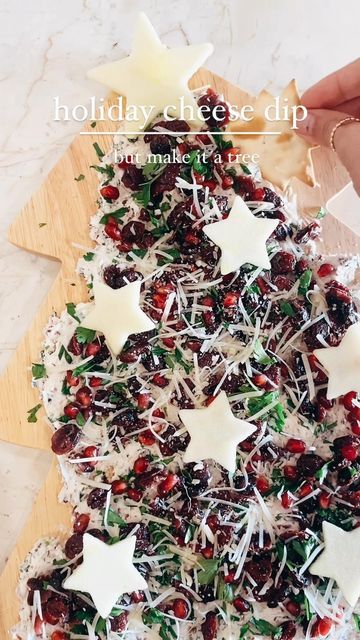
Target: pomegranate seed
x,y
322,627
158,413
326,269
323,400
350,452
209,627
263,285
81,522
180,608
258,194
92,349
159,300
353,415
320,413
260,380
324,500
305,490
301,266
38,626
59,635
293,608
110,192
137,596
71,380
84,397
118,487
71,410
211,184
160,380
207,301
241,605
203,137
227,182
95,382
135,495
143,401
290,472
113,231
147,438
169,342
141,465
262,484
75,347
90,452
199,177
348,400
295,446
208,552
286,500
230,299
355,427
166,486
229,155
229,578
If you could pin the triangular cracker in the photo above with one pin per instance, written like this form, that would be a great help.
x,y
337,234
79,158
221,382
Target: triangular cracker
x,y
284,156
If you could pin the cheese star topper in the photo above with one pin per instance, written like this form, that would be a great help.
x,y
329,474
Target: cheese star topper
x,y
241,238
340,560
215,433
117,314
107,571
342,363
153,75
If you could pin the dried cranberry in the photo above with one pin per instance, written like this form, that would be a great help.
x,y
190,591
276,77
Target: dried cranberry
x,y
159,143
287,630
75,347
116,277
65,439
56,610
283,262
241,605
133,231
271,196
308,464
119,623
96,498
74,545
245,186
167,179
132,177
310,232
209,627
178,216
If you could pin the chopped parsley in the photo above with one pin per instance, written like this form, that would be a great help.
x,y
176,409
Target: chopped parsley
x,y
32,417
38,371
71,309
84,336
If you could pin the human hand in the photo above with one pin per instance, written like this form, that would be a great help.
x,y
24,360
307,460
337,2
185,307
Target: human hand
x,y
328,102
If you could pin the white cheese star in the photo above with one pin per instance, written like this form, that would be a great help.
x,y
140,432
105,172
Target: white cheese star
x,y
241,238
340,560
107,572
153,75
215,433
117,314
342,363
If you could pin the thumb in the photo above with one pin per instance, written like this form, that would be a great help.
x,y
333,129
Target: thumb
x,y
318,126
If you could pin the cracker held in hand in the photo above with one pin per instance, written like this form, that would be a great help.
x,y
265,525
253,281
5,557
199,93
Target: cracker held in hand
x,y
282,156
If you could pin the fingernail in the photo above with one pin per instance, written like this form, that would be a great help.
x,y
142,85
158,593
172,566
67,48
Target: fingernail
x,y
306,126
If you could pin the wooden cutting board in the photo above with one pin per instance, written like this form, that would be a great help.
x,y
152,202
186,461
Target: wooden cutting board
x,y
56,217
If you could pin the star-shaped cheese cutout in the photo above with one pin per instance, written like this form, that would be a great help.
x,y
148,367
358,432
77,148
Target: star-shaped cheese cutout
x,y
215,433
153,75
342,363
241,238
107,572
282,156
117,314
340,560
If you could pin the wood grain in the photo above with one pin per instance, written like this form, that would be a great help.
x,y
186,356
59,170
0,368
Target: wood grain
x,y
56,216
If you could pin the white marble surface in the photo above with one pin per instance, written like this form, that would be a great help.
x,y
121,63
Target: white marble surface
x,y
46,47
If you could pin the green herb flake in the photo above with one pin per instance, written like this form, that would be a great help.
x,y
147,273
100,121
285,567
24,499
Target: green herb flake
x,y
71,309
210,568
100,154
287,309
143,197
321,213
93,125
260,354
172,255
265,628
38,371
80,420
84,336
305,281
42,224
63,353
31,417
115,518
117,215
107,170
88,256
80,177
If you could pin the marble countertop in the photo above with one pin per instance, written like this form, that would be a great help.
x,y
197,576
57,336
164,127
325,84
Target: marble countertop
x,y
46,49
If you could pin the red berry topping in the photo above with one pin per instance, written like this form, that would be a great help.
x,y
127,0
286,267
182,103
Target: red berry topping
x,y
118,487
81,522
135,495
350,452
293,608
295,446
348,400
84,396
166,486
71,410
113,231
180,608
141,465
92,349
286,500
326,269
71,380
109,192
241,605
290,472
262,484
324,499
